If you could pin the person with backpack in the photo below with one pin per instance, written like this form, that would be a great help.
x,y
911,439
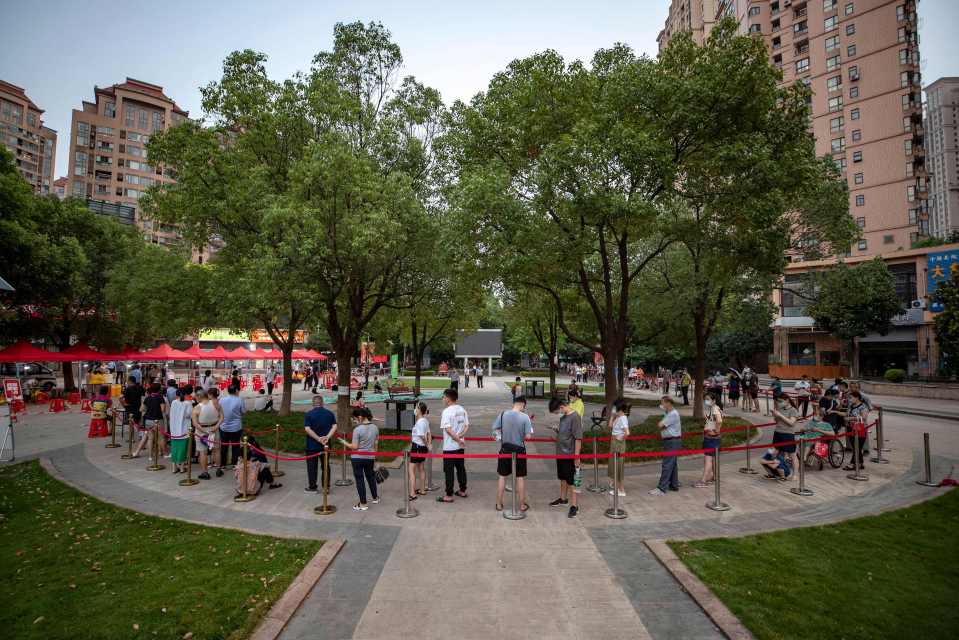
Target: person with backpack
x,y
712,428
512,428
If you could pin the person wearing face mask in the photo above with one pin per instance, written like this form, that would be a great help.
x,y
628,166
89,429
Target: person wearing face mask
x,y
856,424
711,439
786,415
671,430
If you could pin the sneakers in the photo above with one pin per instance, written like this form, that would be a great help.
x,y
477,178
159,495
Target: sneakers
x,y
204,476
572,512
558,502
622,494
219,473
360,507
310,490
375,501
657,492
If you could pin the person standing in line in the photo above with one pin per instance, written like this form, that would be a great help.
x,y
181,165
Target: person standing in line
x,y
214,438
576,402
421,442
454,376
270,380
208,381
671,432
319,423
734,385
206,421
466,376
119,374
516,389
137,374
512,428
232,427
801,390
712,438
619,431
365,436
154,408
569,442
132,399
479,377
455,423
235,377
786,416
181,410
307,376
856,423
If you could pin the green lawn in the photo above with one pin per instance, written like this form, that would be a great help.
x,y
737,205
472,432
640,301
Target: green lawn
x,y
649,427
894,575
74,567
293,438
426,383
561,388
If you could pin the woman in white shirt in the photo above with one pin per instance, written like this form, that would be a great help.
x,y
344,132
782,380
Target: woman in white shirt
x,y
619,429
181,414
422,440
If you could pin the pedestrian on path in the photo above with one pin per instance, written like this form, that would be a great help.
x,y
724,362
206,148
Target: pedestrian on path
x,y
154,408
454,377
801,391
455,423
712,427
569,441
421,442
479,377
270,380
671,431
365,436
466,376
319,425
684,383
231,429
512,428
619,430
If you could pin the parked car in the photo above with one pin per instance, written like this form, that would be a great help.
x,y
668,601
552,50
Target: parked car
x,y
33,375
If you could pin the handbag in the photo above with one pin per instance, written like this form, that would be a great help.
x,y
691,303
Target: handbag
x,y
381,474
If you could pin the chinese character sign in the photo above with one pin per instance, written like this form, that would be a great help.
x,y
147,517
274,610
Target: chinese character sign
x,y
942,266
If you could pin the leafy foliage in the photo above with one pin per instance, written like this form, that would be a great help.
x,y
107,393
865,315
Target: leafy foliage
x,y
947,323
851,302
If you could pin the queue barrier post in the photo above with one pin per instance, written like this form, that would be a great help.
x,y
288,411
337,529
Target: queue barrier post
x,y
615,512
717,504
429,472
595,487
880,438
189,480
927,464
277,473
155,448
407,511
113,431
748,469
857,473
513,513
801,490
129,453
326,509
882,425
343,481
245,495
768,413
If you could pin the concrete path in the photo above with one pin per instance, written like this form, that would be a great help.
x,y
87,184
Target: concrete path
x,y
463,571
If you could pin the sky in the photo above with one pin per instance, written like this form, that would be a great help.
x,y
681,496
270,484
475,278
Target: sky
x,y
64,48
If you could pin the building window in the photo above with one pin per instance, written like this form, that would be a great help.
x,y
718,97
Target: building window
x,y
861,222
802,66
854,114
850,29
830,23
80,163
857,156
888,239
754,11
829,358
142,118
835,104
901,34
862,245
853,92
83,134
905,275
911,193
836,124
129,116
832,63
913,216
79,188
857,178
840,164
802,353
851,51
838,145
800,27
909,170
848,9
834,83
854,72
755,28
829,5
901,12
856,135
157,121
907,146
110,109
860,200
832,43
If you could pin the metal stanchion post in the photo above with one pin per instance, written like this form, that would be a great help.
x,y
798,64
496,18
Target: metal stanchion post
x,y
717,504
595,486
189,481
514,513
276,461
129,453
407,511
802,490
155,448
927,463
857,474
880,441
615,512
343,481
245,495
767,404
885,449
113,432
326,508
748,469
429,472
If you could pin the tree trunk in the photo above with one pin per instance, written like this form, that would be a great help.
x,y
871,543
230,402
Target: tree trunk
x,y
699,367
69,384
418,357
286,402
612,384
344,357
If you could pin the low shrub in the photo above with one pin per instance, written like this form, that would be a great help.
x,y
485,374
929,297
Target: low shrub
x,y
895,375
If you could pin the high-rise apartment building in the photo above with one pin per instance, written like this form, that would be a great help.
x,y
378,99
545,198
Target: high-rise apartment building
x,y
942,135
34,146
861,60
108,157
695,16
60,187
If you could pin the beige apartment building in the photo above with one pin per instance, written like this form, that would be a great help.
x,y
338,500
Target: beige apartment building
x,y
861,59
34,146
694,16
942,133
109,166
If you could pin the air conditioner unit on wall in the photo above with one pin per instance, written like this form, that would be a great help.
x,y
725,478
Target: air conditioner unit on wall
x,y
917,304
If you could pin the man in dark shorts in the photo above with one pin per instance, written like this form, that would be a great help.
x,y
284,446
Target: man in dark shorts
x,y
320,425
512,428
569,441
132,399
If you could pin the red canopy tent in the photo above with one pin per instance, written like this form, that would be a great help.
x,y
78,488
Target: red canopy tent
x,y
380,359
197,352
26,352
165,352
263,354
218,353
241,353
82,351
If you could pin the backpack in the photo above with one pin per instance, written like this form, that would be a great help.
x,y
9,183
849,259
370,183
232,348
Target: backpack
x,y
253,484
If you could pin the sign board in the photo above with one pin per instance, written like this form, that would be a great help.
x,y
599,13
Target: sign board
x,y
225,335
941,266
907,317
482,343
261,335
12,390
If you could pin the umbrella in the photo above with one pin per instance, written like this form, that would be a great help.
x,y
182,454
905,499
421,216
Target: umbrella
x,y
26,352
165,352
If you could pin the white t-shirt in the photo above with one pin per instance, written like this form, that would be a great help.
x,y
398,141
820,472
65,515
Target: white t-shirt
x,y
420,429
620,427
181,413
801,388
455,419
208,383
259,403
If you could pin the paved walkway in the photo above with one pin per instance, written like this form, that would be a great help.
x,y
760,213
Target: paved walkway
x,y
463,571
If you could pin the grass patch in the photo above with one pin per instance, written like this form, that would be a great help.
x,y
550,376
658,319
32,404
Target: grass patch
x,y
425,383
75,567
561,388
293,438
649,427
894,575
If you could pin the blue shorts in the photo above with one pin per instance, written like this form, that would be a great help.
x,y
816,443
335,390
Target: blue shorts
x,y
784,437
711,444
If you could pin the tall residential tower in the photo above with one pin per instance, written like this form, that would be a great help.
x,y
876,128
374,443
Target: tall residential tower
x,y
34,146
942,132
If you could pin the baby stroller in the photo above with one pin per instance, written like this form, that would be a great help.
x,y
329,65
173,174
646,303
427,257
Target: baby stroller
x,y
818,453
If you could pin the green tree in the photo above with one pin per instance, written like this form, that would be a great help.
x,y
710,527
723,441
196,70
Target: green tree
x,y
947,324
534,327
